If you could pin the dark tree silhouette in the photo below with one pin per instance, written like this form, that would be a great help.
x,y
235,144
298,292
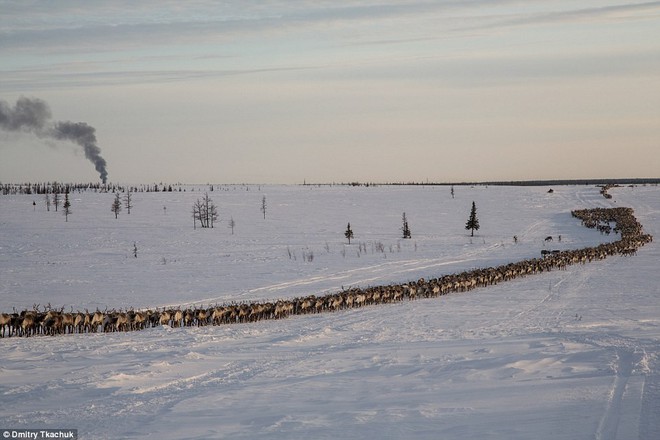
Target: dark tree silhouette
x,y
349,233
67,207
128,201
232,224
405,229
205,211
116,205
56,200
473,222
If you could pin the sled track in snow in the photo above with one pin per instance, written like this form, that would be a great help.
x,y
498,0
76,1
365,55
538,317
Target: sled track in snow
x,y
53,322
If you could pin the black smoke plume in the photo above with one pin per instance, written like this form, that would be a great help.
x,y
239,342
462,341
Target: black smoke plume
x,y
83,135
31,115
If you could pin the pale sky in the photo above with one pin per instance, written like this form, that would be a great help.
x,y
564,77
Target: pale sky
x,y
335,91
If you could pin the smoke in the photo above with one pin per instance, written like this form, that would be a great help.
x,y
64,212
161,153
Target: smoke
x,y
31,115
27,115
83,135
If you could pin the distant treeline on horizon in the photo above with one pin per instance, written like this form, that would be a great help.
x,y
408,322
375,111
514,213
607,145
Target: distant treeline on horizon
x,y
630,181
59,187
557,182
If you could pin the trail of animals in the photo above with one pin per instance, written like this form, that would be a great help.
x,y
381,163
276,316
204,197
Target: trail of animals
x,y
56,322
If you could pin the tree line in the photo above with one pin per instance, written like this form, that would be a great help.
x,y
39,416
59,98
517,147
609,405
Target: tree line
x,y
205,212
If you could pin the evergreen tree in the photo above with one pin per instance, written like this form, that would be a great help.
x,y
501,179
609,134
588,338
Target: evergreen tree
x,y
405,229
349,233
473,222
67,207
116,205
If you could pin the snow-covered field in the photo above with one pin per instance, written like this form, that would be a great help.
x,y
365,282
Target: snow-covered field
x,y
562,355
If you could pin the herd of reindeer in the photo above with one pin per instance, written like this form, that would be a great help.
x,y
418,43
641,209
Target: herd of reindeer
x,y
56,322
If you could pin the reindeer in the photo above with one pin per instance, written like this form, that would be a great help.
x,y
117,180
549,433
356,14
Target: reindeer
x,y
220,315
6,320
28,323
52,323
165,317
141,319
243,312
68,322
307,304
319,304
185,318
178,318
121,322
202,317
87,322
109,321
336,302
259,311
79,322
280,310
97,320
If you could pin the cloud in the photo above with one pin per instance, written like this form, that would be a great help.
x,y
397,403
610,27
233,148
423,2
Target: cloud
x,y
129,26
637,11
164,41
45,78
110,27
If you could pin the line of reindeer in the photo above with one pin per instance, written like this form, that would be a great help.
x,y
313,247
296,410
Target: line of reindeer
x,y
56,322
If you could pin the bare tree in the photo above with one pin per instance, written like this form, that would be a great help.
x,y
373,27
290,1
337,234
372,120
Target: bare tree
x,y
263,206
47,202
56,200
205,211
128,201
232,223
211,211
197,213
116,205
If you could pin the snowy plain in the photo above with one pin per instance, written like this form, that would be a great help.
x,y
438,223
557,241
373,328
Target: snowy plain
x,y
562,355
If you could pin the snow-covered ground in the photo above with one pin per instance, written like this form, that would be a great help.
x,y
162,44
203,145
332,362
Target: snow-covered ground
x,y
562,355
